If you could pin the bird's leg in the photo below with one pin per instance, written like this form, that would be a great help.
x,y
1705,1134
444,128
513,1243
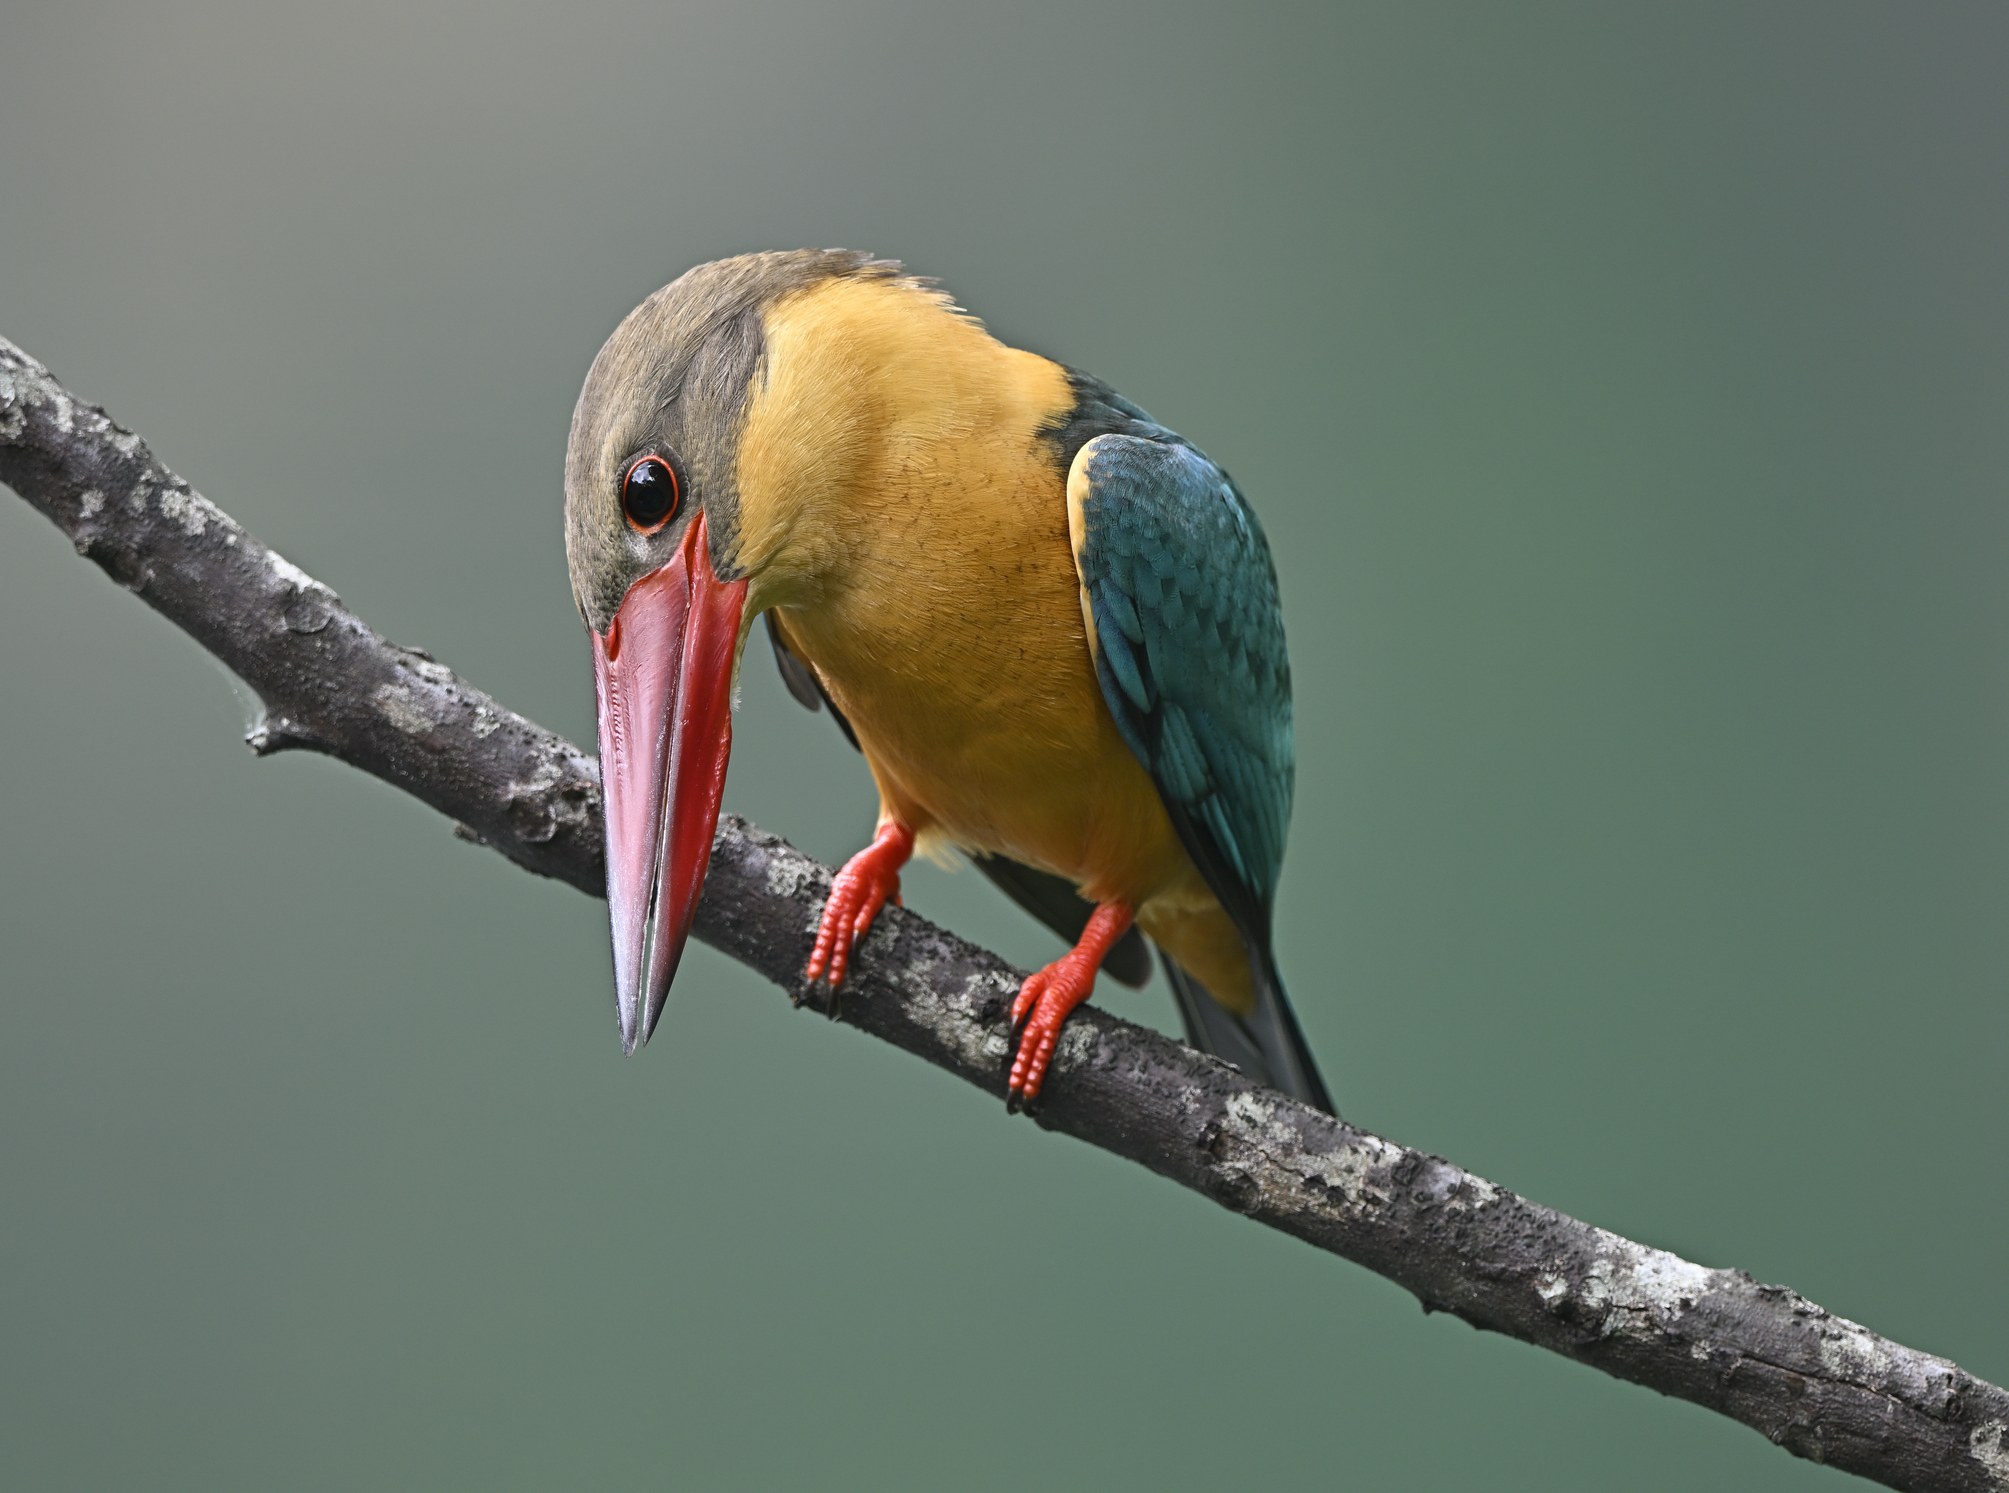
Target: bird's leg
x,y
1046,998
856,895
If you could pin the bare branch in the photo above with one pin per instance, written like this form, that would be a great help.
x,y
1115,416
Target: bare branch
x,y
1822,1387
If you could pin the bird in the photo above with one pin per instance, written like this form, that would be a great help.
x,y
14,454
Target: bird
x,y
1050,624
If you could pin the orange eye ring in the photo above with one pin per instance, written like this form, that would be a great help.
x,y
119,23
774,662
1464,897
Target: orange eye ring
x,y
650,494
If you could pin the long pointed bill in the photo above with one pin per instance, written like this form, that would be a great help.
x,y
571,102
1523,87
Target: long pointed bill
x,y
663,674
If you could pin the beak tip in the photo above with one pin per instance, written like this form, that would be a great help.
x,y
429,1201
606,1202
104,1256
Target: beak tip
x,y
635,1034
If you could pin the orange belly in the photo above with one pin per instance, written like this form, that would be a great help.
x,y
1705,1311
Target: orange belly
x,y
984,727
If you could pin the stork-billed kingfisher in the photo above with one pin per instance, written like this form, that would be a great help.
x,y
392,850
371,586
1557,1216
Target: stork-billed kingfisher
x,y
1049,623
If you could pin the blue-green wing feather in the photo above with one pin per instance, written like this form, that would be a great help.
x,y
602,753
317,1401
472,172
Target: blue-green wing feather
x,y
1190,654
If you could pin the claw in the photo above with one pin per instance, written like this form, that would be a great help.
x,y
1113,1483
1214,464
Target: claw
x,y
1047,998
868,879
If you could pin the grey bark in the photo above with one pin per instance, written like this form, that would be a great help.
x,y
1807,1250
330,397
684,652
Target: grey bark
x,y
1820,1386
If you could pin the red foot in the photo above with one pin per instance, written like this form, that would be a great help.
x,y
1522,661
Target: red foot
x,y
857,894
1050,995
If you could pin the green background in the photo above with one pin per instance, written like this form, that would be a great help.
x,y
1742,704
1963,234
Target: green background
x,y
1626,393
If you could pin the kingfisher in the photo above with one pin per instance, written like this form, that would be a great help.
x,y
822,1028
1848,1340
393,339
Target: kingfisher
x,y
1049,624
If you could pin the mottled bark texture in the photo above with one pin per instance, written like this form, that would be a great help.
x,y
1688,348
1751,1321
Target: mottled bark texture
x,y
1820,1386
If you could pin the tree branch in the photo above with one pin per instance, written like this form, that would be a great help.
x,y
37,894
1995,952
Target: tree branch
x,y
1822,1387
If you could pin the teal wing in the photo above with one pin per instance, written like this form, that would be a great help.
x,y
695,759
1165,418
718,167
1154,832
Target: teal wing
x,y
1178,583
1189,650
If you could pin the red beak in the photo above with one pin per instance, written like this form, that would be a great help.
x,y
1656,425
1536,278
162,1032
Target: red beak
x,y
663,674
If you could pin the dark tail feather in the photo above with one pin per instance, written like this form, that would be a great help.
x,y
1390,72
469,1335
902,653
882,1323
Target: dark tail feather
x,y
1267,1045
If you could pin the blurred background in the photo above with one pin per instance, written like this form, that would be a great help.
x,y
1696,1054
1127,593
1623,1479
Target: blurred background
x,y
1626,393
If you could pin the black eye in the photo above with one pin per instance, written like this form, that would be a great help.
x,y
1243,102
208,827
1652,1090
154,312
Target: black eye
x,y
649,494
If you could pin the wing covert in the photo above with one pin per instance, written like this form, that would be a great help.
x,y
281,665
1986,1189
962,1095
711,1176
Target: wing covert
x,y
1181,597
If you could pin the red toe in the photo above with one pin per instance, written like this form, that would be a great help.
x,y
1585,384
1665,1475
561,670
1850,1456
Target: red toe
x,y
1047,998
1054,992
857,893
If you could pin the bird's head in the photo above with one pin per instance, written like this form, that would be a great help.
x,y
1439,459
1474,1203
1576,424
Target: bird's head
x,y
666,530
